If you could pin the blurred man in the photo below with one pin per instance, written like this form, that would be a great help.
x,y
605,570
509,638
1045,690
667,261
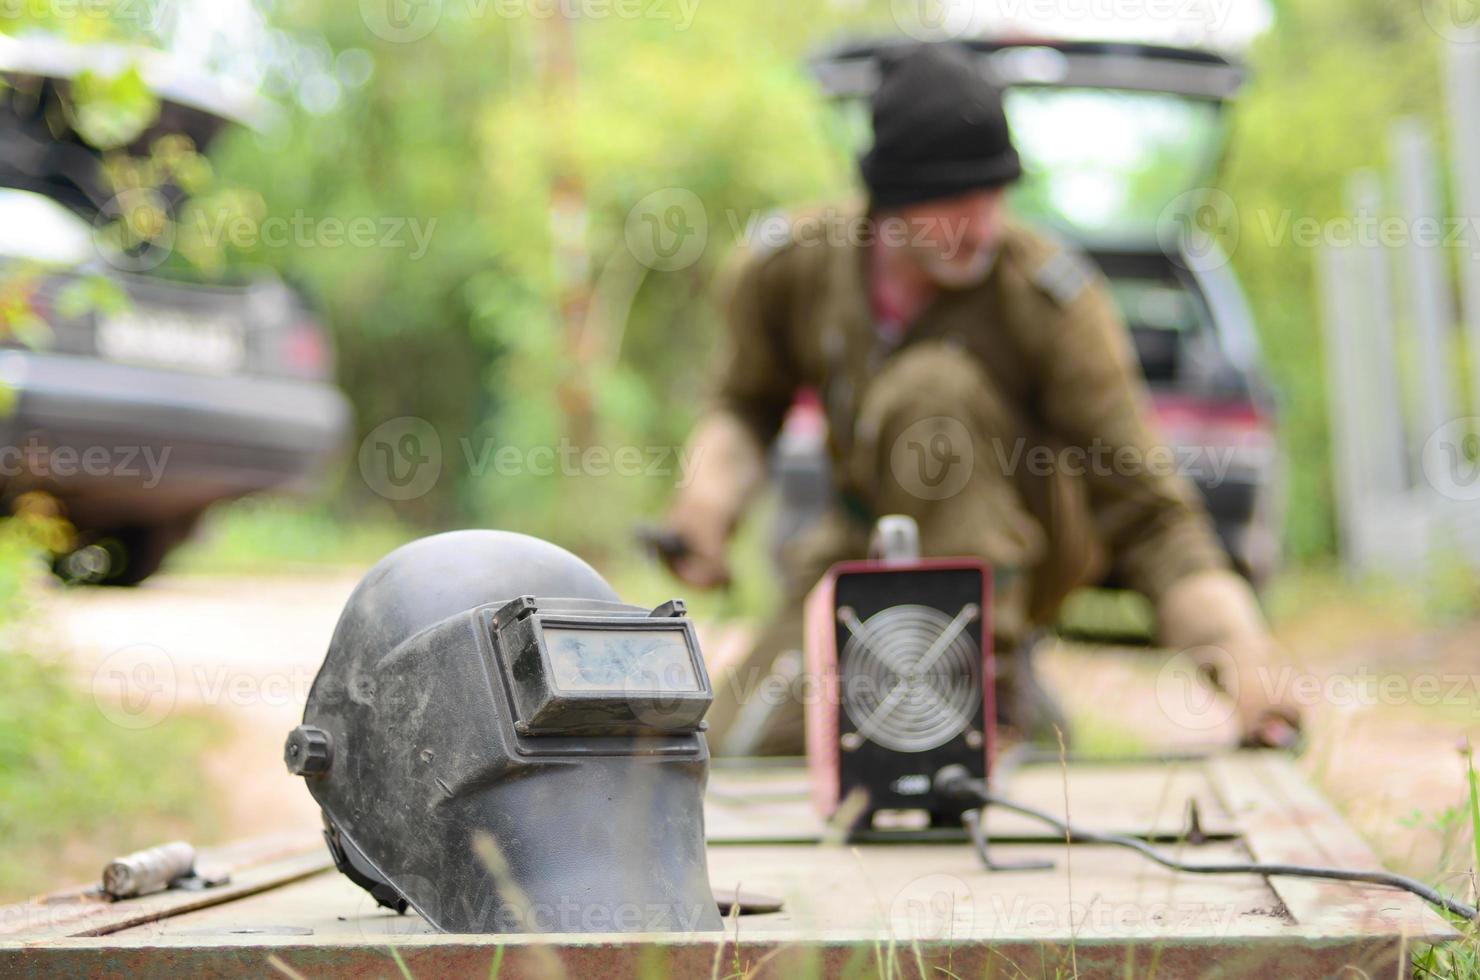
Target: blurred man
x,y
975,377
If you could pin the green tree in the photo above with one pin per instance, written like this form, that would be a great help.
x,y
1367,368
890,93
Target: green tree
x,y
1329,79
472,127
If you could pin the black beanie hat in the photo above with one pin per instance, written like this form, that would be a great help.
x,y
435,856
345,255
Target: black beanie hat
x,y
939,129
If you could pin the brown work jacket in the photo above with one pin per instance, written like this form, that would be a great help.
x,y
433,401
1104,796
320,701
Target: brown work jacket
x,y
1046,332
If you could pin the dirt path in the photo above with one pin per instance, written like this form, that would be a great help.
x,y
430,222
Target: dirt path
x,y
1387,718
242,650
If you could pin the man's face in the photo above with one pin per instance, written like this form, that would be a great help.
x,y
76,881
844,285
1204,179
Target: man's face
x,y
955,240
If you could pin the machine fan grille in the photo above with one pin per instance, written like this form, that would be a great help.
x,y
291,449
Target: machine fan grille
x,y
911,676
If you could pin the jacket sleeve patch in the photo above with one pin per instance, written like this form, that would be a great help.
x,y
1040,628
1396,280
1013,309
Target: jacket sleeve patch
x,y
1064,277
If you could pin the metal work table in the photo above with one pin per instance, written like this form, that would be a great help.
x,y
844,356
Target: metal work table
x,y
1100,912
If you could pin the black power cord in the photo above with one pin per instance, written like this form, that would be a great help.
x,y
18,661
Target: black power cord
x,y
956,782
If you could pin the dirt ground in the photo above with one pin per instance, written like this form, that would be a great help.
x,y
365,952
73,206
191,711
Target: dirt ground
x,y
1387,711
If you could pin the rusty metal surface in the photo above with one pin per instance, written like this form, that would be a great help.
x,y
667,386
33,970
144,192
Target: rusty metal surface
x,y
1288,958
923,908
255,866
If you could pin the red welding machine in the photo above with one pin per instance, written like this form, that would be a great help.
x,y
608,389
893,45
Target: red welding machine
x,y
901,652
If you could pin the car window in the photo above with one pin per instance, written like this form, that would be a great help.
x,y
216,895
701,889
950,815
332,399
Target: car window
x,y
1106,163
1101,164
33,226
1150,304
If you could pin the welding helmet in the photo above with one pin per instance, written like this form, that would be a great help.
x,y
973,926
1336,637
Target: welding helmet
x,y
498,742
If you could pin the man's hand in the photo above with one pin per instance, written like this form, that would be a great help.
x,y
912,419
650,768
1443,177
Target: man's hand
x,y
1267,718
691,550
1215,619
729,468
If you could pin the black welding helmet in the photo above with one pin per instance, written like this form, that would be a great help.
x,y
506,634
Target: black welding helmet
x,y
498,742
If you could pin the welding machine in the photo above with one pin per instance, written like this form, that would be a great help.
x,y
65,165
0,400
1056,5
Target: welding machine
x,y
900,649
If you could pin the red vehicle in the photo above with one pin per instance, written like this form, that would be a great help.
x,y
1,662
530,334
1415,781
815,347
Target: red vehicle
x,y
1118,141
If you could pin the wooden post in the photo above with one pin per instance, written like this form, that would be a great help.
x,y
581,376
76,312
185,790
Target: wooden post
x,y
1463,60
1340,270
569,221
1428,293
1387,464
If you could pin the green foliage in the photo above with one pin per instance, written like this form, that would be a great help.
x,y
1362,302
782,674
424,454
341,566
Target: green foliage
x,y
1328,82
1459,960
511,331
113,111
267,536
74,786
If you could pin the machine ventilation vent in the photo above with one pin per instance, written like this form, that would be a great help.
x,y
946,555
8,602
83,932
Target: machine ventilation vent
x,y
912,676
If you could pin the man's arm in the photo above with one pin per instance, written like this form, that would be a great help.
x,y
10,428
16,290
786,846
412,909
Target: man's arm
x,y
1095,398
1150,516
754,390
729,469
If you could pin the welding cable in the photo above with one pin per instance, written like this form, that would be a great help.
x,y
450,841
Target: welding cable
x,y
956,782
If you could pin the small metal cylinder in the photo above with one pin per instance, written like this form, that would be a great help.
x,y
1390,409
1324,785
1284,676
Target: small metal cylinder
x,y
896,539
148,871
